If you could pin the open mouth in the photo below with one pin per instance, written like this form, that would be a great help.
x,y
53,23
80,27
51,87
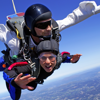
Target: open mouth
x,y
47,66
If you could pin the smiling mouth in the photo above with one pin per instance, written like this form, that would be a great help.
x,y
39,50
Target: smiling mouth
x,y
47,66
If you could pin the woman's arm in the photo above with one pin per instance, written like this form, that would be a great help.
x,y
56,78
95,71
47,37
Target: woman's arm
x,y
11,75
67,58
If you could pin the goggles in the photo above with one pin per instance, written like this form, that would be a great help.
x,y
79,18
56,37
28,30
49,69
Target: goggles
x,y
44,58
43,25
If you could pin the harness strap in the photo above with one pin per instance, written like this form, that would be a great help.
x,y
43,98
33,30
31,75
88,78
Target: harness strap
x,y
11,26
19,30
17,64
59,61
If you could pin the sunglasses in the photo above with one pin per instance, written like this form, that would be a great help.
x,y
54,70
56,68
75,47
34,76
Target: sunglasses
x,y
43,25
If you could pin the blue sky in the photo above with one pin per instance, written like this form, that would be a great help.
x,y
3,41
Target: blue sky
x,y
83,38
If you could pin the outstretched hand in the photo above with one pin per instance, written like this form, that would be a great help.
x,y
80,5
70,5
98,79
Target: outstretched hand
x,y
23,81
75,58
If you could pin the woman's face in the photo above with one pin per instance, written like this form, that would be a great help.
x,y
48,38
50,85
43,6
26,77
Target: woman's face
x,y
47,61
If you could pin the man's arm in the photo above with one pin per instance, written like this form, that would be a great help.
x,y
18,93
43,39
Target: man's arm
x,y
84,11
9,38
3,32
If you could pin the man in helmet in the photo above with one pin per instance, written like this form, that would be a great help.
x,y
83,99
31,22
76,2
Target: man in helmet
x,y
38,26
38,20
49,58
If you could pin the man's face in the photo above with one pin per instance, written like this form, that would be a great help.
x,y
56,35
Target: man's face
x,y
47,61
43,28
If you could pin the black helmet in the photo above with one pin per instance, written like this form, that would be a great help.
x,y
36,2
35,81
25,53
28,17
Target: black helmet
x,y
48,45
34,13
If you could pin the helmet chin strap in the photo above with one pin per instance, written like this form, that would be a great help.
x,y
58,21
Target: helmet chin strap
x,y
46,37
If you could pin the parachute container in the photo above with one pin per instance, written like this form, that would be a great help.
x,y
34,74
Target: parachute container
x,y
15,15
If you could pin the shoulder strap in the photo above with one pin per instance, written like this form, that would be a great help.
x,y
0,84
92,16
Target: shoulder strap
x,y
55,31
14,24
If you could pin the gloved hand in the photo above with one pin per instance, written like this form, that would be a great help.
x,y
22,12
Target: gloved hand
x,y
90,6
